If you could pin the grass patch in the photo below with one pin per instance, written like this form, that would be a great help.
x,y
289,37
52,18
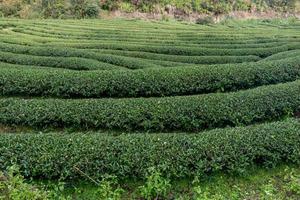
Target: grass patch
x,y
282,182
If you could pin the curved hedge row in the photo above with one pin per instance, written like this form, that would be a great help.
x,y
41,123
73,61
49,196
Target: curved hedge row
x,y
107,59
168,37
130,155
283,55
189,51
216,43
142,35
183,59
147,82
56,62
129,59
22,68
153,40
188,113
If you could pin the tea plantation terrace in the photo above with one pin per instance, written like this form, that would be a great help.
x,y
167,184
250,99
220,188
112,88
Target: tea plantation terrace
x,y
187,99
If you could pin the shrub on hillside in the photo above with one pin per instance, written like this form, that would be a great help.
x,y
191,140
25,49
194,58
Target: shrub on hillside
x,y
205,20
109,4
91,10
282,5
126,7
84,8
53,8
10,7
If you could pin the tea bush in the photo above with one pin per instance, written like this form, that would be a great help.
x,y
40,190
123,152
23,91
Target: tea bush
x,y
131,155
188,113
23,80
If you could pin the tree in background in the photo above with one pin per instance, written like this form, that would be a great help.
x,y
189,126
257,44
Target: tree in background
x,y
282,5
53,8
10,7
90,8
83,8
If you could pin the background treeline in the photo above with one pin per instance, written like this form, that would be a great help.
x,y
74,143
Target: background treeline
x,y
92,8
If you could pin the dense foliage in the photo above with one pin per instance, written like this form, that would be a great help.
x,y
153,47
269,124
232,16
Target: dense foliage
x,y
145,83
130,155
91,8
188,113
118,80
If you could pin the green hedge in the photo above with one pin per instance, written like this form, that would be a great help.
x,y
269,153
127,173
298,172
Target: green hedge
x,y
183,59
128,59
168,40
62,52
130,155
189,51
57,62
172,50
143,34
147,82
150,34
34,68
219,40
189,113
283,55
